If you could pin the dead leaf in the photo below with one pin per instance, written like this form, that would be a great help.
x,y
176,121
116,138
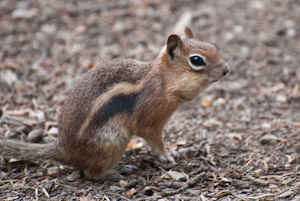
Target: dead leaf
x,y
206,102
135,143
212,122
131,192
174,175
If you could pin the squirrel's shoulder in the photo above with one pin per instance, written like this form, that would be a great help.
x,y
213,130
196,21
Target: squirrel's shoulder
x,y
105,74
114,71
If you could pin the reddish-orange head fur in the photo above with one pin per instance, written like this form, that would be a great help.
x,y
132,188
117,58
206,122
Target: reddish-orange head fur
x,y
183,79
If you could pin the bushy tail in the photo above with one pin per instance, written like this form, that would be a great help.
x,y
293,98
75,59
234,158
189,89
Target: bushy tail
x,y
27,151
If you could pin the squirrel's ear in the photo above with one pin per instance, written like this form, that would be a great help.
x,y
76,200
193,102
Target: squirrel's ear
x,y
188,32
173,45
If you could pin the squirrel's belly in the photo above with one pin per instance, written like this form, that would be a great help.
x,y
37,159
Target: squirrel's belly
x,y
114,132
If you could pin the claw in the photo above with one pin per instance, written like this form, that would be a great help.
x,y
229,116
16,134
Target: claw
x,y
127,169
167,159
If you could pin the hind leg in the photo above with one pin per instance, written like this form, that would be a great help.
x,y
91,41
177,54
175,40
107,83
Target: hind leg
x,y
109,149
101,167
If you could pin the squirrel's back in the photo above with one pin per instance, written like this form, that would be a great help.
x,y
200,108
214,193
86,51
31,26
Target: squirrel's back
x,y
95,82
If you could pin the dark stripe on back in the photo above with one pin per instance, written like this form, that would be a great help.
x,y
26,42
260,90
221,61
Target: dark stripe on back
x,y
116,105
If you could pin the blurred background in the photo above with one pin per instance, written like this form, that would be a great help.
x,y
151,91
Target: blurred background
x,y
245,126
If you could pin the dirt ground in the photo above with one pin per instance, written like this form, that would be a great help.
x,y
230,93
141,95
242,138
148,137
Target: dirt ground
x,y
239,140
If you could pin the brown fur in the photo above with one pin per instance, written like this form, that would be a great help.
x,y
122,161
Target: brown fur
x,y
118,99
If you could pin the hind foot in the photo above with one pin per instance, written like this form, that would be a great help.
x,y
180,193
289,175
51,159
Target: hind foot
x,y
96,175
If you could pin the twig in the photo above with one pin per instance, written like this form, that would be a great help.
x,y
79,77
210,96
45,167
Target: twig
x,y
12,198
36,192
239,197
199,170
188,184
184,20
265,195
152,181
10,180
46,192
257,181
115,194
261,196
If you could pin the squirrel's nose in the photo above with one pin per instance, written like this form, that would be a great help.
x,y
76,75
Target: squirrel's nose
x,y
225,69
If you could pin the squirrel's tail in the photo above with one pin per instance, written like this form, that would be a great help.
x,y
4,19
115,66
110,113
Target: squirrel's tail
x,y
27,151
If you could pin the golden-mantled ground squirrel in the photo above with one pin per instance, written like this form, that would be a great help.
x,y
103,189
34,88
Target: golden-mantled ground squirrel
x,y
121,98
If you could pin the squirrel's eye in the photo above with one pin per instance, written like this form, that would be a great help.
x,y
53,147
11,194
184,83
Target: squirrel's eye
x,y
197,61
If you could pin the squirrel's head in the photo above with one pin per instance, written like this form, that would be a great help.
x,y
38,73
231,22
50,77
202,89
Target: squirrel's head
x,y
190,65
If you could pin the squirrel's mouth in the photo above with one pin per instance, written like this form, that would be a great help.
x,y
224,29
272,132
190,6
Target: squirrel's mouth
x,y
215,80
218,74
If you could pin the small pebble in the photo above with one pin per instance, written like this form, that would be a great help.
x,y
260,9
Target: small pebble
x,y
53,131
73,176
53,171
257,5
23,129
25,14
266,126
258,172
281,98
116,188
35,136
123,183
269,139
49,186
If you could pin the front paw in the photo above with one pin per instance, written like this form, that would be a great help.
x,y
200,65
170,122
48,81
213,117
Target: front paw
x,y
167,159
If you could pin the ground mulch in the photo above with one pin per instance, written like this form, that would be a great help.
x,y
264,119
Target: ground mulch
x,y
239,140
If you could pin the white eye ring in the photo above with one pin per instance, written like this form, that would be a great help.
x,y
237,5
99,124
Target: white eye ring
x,y
199,63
